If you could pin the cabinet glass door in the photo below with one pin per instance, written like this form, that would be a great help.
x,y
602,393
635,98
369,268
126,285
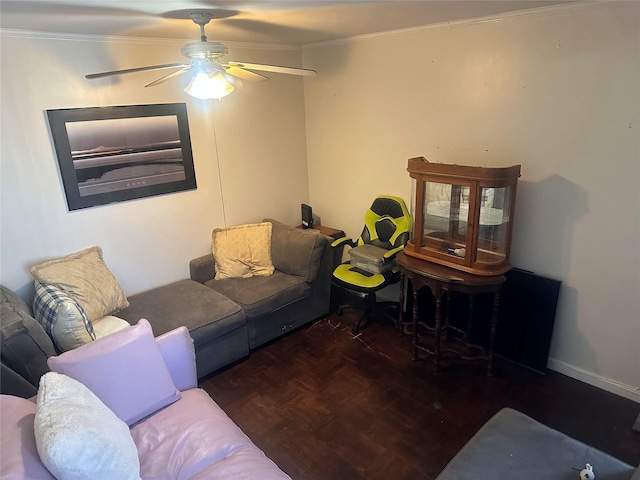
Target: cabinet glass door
x,y
495,204
446,215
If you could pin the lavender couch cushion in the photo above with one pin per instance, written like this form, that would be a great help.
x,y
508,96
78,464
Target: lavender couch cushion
x,y
194,435
125,370
248,462
19,458
176,348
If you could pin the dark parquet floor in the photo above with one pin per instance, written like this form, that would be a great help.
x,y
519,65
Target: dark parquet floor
x,y
325,404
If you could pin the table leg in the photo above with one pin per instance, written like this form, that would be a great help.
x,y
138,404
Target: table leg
x,y
436,349
415,323
401,305
472,301
445,327
494,327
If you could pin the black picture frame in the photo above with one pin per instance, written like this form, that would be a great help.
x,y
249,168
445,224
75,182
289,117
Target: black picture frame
x,y
118,153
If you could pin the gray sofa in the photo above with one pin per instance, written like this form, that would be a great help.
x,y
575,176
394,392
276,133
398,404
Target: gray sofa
x,y
297,292
226,318
512,445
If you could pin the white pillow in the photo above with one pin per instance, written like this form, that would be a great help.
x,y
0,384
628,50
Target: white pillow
x,y
109,324
78,437
242,251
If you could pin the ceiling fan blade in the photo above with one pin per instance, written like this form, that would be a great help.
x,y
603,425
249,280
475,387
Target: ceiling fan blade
x,y
134,70
274,68
168,76
244,74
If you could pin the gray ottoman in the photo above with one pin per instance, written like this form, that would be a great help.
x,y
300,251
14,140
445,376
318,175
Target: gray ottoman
x,y
216,324
512,445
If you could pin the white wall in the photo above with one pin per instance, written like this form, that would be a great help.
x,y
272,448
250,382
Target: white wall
x,y
259,141
555,90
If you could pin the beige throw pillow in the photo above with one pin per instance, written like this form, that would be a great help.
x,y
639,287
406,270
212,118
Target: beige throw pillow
x,y
62,317
242,251
84,277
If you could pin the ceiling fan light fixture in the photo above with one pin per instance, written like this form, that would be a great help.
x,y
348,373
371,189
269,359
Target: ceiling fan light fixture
x,y
213,77
209,84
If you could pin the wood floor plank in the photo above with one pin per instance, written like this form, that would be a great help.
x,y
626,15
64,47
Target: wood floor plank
x,y
325,404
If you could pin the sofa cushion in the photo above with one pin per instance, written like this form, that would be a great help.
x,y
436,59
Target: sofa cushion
x,y
202,310
85,277
62,317
242,251
20,457
166,442
260,295
78,437
296,251
24,345
125,370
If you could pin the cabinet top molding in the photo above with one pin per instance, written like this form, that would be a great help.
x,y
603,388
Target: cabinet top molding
x,y
421,166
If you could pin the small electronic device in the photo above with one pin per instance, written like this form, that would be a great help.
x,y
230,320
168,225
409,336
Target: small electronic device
x,y
307,216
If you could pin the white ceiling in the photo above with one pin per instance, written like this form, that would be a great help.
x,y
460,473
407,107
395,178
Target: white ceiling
x,y
285,22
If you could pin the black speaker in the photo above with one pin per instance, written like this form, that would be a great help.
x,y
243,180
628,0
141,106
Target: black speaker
x,y
307,216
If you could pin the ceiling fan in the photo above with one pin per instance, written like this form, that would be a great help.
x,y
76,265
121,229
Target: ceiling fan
x,y
211,79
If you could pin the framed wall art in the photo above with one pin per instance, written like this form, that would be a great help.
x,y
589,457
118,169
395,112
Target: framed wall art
x,y
113,154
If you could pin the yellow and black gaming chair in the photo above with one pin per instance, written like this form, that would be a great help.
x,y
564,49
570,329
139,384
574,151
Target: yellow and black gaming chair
x,y
387,225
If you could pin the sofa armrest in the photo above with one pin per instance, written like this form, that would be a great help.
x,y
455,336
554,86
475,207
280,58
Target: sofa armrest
x,y
178,353
202,269
24,344
295,251
13,384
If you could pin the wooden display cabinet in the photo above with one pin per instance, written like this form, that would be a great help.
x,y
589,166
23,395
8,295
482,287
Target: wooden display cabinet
x,y
463,215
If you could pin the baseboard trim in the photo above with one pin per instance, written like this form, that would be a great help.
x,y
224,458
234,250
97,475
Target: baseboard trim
x,y
612,386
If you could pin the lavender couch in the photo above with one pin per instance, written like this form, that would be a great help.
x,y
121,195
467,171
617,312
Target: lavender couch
x,y
190,438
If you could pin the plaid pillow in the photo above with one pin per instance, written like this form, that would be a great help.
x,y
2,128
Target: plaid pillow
x,y
62,317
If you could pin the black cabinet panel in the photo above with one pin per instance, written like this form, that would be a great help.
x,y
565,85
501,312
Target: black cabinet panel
x,y
525,318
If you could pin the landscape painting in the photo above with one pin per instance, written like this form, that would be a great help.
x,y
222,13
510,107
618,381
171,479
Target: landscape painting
x,y
111,154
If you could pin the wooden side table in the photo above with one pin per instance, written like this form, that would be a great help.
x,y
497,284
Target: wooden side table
x,y
440,280
328,231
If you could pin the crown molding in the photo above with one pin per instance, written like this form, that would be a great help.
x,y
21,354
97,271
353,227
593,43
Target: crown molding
x,y
573,7
550,10
76,37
